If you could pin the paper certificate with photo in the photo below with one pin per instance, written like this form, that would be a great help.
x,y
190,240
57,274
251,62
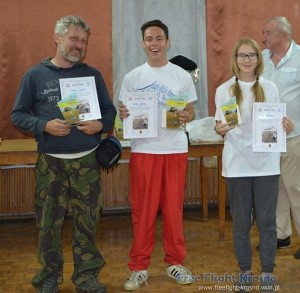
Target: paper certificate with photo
x,y
268,132
142,121
85,90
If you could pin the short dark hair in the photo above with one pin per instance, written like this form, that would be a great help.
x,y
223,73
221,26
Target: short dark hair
x,y
157,23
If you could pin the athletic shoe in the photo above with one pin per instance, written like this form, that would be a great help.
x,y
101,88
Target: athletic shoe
x,y
136,279
91,286
181,274
49,286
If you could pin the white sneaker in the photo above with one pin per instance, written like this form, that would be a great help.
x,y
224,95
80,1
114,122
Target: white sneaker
x,y
136,279
181,274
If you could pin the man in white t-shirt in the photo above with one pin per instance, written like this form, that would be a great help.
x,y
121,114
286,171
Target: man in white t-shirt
x,y
158,165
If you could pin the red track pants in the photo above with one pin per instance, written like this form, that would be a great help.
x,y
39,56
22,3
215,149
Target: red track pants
x,y
157,181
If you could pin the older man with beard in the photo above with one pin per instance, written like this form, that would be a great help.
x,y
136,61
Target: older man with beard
x,y
66,168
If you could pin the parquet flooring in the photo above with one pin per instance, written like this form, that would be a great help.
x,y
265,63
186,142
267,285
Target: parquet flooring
x,y
206,256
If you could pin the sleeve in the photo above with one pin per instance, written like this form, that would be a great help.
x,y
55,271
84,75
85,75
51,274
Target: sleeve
x,y
190,88
21,114
125,87
218,102
222,96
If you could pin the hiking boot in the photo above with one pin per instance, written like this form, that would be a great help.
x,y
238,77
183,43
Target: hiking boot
x,y
281,243
91,286
49,286
136,279
181,274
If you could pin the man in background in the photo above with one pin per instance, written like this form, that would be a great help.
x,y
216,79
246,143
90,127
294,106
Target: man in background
x,y
282,66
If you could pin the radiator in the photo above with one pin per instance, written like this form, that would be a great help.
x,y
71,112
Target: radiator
x,y
16,190
17,184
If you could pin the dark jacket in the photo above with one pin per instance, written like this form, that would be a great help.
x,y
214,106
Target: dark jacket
x,y
36,104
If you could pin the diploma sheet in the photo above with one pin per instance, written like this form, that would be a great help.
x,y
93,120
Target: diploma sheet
x,y
142,121
85,90
268,132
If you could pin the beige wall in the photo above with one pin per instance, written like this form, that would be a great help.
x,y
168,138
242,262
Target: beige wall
x,y
26,37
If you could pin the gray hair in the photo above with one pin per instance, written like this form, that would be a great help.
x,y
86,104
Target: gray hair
x,y
63,24
283,25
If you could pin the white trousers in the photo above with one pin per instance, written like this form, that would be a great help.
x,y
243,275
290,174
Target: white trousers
x,y
288,204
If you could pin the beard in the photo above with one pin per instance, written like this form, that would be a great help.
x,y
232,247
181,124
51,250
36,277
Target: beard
x,y
69,57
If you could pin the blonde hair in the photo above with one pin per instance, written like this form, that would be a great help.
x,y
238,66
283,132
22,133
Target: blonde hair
x,y
257,89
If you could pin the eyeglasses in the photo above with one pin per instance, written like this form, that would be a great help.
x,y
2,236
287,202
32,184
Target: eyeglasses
x,y
243,56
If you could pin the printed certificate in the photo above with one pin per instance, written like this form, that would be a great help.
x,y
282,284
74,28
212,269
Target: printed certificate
x,y
142,121
85,90
268,132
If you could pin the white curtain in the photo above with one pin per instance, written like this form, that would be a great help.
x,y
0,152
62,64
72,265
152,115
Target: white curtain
x,y
186,20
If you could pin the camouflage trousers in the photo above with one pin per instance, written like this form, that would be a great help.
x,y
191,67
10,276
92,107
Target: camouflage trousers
x,y
63,183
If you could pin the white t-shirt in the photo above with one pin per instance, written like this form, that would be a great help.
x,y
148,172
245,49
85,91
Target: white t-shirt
x,y
239,160
165,81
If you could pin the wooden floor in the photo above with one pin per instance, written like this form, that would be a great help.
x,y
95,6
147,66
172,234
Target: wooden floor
x,y
206,256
